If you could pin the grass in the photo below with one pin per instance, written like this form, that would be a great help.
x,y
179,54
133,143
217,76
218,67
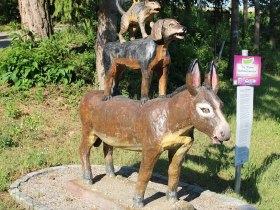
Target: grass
x,y
40,128
12,26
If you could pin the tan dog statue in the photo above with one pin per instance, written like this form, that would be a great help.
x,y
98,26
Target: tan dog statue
x,y
139,13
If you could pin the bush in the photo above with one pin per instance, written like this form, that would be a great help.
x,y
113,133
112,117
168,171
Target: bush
x,y
52,60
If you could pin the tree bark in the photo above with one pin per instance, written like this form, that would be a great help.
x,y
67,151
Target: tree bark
x,y
107,31
35,17
272,24
245,16
234,32
257,26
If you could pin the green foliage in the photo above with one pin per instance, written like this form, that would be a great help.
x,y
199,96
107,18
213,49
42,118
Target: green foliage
x,y
63,58
11,26
12,111
6,142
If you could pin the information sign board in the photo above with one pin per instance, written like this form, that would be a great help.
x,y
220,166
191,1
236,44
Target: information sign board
x,y
247,70
244,120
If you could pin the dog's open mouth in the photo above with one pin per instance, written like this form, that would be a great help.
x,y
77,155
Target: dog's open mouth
x,y
156,10
180,35
216,140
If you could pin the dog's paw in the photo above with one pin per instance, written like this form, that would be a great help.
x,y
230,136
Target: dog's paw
x,y
106,98
144,100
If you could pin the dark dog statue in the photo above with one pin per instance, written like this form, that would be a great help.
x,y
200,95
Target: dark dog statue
x,y
147,54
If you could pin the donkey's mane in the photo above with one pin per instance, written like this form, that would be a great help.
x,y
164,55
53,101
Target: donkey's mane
x,y
175,92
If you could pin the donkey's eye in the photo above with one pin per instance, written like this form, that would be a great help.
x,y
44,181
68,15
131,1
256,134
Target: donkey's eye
x,y
205,110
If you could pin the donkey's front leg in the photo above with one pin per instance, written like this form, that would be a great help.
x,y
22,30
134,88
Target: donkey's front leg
x,y
176,157
149,158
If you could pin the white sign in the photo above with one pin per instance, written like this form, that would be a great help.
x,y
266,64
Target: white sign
x,y
244,120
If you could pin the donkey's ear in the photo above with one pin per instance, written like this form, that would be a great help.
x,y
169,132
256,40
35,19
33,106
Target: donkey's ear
x,y
156,32
211,77
193,81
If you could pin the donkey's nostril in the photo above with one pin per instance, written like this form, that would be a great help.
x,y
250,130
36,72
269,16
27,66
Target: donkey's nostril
x,y
222,133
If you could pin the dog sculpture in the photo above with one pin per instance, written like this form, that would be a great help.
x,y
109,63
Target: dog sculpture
x,y
147,54
158,125
139,13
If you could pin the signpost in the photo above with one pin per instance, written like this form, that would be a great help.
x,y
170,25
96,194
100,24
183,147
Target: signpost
x,y
247,73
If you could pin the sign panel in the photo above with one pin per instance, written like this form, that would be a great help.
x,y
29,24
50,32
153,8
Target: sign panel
x,y
247,70
244,120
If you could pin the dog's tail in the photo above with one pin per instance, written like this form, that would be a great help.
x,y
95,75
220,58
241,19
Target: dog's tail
x,y
119,7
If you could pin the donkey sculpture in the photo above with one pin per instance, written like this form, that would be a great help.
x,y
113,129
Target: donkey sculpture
x,y
161,124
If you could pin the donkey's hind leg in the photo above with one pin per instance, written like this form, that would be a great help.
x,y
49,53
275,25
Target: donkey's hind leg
x,y
109,167
88,140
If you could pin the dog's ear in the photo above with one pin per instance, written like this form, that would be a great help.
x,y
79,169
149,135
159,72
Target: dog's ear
x,y
156,33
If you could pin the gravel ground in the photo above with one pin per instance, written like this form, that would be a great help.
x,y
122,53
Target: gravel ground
x,y
47,188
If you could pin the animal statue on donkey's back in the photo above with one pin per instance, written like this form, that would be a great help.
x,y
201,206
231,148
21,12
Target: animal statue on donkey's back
x,y
158,125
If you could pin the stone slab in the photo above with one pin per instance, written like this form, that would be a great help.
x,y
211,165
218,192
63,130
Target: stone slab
x,y
61,188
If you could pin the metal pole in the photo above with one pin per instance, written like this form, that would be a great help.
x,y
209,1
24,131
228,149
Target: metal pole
x,y
237,179
237,184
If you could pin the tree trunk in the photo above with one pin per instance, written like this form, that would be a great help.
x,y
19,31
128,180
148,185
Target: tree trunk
x,y
233,33
35,17
107,31
257,26
272,24
245,16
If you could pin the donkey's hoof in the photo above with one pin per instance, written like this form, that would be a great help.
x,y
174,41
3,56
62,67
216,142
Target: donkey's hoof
x,y
171,196
88,181
111,174
110,171
138,202
106,98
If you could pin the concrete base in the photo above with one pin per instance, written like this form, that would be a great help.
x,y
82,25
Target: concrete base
x,y
61,188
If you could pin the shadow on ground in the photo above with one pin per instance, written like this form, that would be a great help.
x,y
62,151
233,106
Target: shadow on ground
x,y
210,179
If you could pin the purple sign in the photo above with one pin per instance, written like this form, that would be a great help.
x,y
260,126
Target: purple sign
x,y
247,70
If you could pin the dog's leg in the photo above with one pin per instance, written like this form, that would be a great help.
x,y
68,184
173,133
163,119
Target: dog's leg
x,y
108,152
119,74
124,27
88,139
145,85
132,30
162,84
142,26
108,82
